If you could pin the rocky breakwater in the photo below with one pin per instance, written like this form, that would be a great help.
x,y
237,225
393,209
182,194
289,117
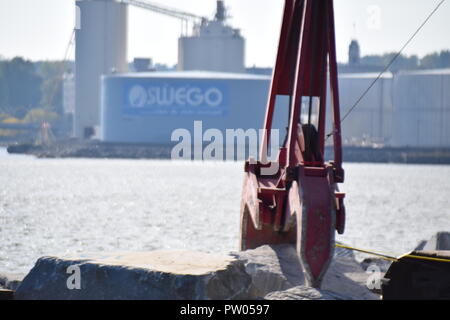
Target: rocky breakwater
x,y
270,272
93,149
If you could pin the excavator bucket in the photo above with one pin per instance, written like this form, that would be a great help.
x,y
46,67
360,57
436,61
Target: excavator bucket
x,y
295,199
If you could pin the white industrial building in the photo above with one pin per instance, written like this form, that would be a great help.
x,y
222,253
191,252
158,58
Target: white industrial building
x,y
422,109
214,46
370,122
408,109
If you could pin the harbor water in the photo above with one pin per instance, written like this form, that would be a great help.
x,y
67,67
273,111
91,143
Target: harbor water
x,y
61,206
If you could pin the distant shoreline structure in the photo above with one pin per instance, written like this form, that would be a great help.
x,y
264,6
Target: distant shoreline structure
x,y
97,149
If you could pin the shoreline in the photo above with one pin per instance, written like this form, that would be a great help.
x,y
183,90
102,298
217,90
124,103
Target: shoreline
x,y
97,149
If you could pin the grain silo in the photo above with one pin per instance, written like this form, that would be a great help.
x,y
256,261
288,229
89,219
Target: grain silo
x,y
101,48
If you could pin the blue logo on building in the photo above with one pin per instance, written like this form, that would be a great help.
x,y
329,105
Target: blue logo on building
x,y
176,99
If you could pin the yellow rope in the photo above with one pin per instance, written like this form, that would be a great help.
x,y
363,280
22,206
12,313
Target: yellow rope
x,y
384,256
424,258
387,257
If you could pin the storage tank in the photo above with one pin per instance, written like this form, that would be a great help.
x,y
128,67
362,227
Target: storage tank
x,y
148,107
101,48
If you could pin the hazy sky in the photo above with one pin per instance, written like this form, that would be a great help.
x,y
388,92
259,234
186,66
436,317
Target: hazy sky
x,y
40,29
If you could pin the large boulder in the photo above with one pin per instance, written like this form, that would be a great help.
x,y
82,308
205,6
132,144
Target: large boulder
x,y
439,242
277,268
272,268
155,275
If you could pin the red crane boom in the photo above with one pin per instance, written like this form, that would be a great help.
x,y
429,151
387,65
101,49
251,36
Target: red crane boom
x,y
295,199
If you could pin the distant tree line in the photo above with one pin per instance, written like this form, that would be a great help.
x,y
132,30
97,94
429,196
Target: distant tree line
x,y
434,60
34,87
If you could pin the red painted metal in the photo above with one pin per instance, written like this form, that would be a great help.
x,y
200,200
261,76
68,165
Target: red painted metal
x,y
299,203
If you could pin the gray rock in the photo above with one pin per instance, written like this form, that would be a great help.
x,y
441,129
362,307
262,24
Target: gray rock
x,y
10,280
382,264
343,252
305,293
6,294
277,268
439,242
155,275
272,268
421,245
346,277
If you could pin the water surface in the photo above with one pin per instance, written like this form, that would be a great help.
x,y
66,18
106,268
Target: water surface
x,y
58,206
